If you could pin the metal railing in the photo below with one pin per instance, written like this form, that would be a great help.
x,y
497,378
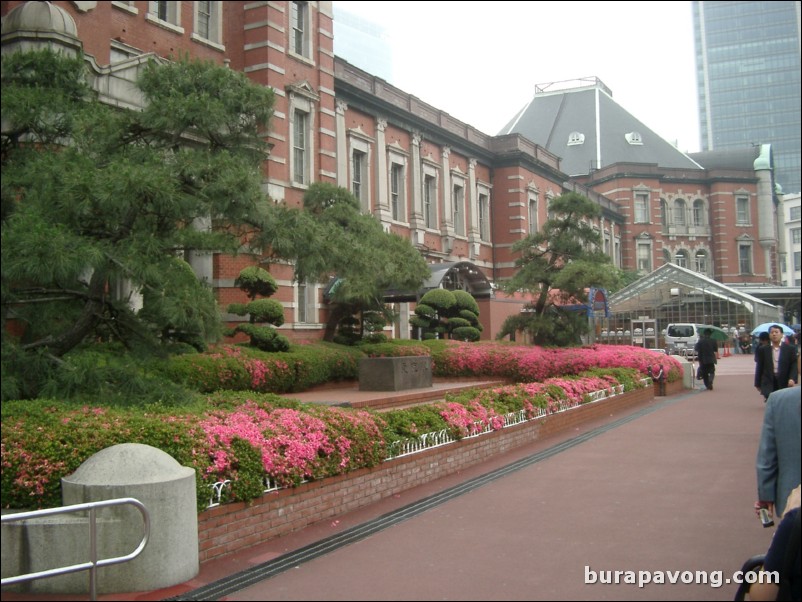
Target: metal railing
x,y
93,563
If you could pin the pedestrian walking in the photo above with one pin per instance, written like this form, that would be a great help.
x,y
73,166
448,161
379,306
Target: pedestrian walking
x,y
736,339
775,364
707,354
779,454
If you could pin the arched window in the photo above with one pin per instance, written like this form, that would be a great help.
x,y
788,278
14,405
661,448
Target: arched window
x,y
700,262
681,258
575,138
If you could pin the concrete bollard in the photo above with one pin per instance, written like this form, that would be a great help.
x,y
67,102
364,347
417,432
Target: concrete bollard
x,y
145,473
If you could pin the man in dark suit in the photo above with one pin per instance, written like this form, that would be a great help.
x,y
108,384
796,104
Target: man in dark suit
x,y
775,364
707,354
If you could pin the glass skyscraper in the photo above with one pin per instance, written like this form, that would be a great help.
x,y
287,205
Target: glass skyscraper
x,y
362,43
748,80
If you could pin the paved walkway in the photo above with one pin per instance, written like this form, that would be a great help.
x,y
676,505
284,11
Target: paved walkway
x,y
668,487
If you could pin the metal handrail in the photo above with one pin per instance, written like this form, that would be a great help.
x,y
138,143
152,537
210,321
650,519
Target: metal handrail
x,y
93,563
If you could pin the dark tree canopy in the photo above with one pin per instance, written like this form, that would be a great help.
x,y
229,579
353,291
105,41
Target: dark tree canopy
x,y
102,208
99,202
556,266
331,237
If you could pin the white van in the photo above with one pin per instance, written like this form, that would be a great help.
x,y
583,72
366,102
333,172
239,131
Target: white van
x,y
681,338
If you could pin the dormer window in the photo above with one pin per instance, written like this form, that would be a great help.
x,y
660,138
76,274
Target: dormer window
x,y
575,138
633,138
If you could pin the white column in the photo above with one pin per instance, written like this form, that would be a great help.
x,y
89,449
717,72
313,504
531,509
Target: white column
x,y
383,203
447,216
342,145
417,221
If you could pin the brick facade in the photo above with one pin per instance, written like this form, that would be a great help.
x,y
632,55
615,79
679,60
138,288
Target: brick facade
x,y
486,192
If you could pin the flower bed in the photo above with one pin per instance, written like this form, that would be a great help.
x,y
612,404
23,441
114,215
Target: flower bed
x,y
228,528
249,439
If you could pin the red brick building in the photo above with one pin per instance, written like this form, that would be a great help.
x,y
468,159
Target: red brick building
x,y
462,197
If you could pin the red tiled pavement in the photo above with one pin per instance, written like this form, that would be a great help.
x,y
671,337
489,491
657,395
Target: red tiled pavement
x,y
669,490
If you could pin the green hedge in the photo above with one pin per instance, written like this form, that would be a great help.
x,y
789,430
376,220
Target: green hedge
x,y
238,367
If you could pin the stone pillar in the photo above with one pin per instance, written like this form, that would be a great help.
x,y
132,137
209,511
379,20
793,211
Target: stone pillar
x,y
766,210
447,218
417,221
342,146
383,203
472,207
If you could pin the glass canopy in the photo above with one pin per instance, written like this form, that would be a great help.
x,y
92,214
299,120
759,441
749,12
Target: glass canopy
x,y
675,294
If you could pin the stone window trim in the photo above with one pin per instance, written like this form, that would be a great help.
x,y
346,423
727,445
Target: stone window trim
x,y
397,186
215,26
300,27
458,203
172,18
430,173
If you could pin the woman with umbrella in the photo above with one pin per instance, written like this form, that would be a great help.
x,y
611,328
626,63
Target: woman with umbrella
x,y
775,364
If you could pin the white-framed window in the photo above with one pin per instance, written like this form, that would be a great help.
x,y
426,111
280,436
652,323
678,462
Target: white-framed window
x,y
300,146
305,303
484,217
208,22
641,208
796,235
679,212
633,138
795,213
167,14
550,215
430,201
302,99
742,211
745,257
360,165
299,29
359,173
681,258
458,201
532,213
644,256
576,138
699,212
797,261
397,188
700,263
664,212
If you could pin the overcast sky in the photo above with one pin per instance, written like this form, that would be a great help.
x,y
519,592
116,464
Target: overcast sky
x,y
480,61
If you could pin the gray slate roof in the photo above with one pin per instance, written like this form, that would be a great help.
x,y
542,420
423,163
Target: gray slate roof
x,y
551,116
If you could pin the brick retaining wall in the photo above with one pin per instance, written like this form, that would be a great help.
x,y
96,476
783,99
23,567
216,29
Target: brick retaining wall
x,y
671,388
231,527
